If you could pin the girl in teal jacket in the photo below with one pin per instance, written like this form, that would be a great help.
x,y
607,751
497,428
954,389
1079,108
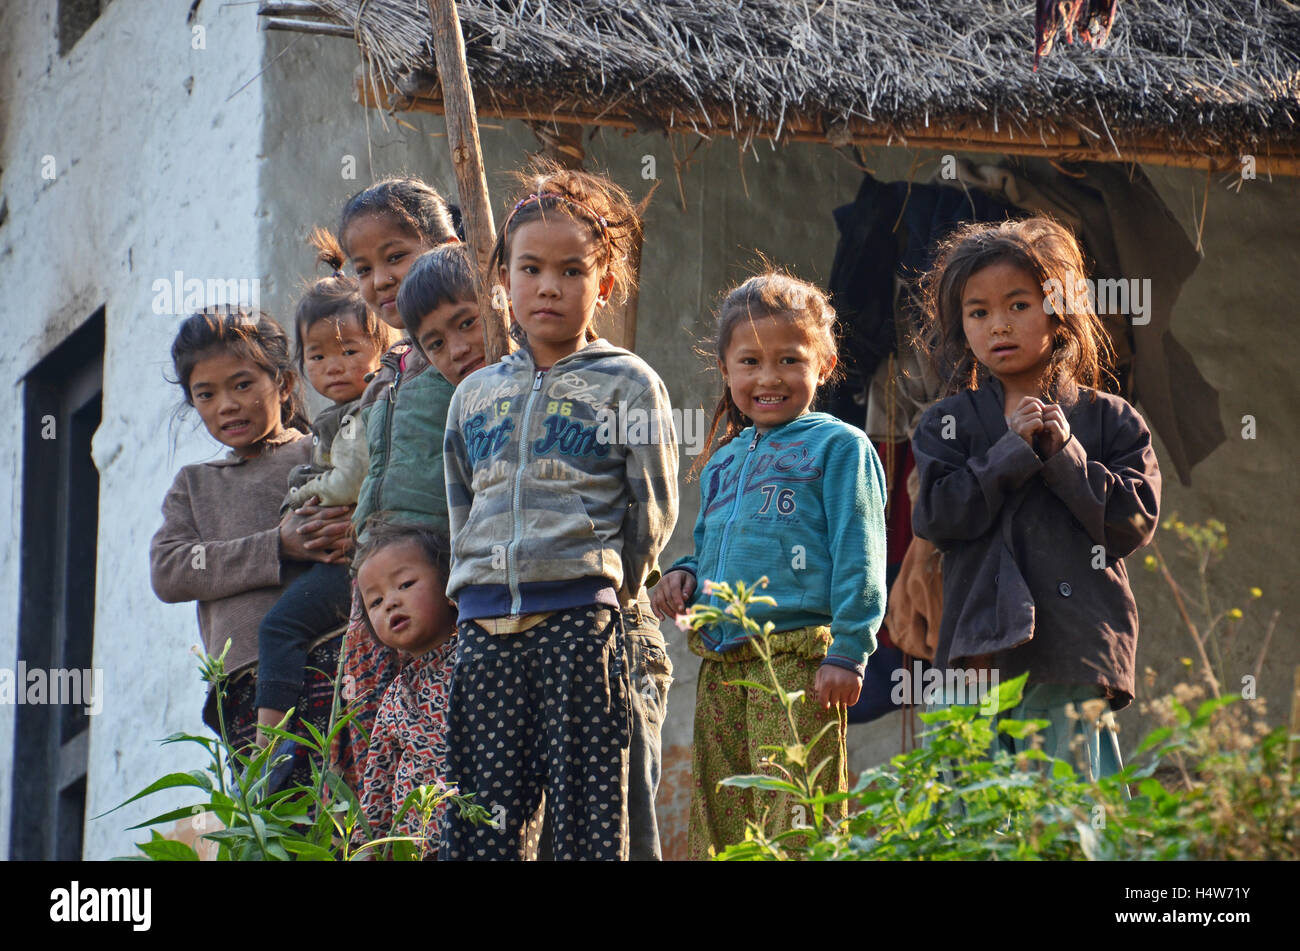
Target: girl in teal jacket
x,y
797,497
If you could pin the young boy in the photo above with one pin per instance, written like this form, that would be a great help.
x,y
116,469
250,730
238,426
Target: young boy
x,y
402,578
440,310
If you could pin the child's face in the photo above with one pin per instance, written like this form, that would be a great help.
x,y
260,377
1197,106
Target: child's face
x,y
772,370
451,337
237,400
1005,324
336,357
555,284
381,253
405,599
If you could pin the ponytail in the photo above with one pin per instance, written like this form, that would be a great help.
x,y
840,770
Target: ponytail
x,y
337,298
771,294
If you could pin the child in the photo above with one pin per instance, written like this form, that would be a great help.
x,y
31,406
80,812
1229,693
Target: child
x,y
339,345
220,544
440,310
556,525
799,497
382,230
1033,484
402,577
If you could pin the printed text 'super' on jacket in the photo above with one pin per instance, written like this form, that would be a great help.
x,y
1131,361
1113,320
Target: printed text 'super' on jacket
x,y
1032,569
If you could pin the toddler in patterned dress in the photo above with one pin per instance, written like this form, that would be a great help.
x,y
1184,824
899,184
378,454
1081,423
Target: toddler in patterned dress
x,y
402,579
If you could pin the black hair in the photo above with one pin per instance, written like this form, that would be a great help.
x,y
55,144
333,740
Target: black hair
x,y
382,532
240,331
442,275
771,294
336,298
410,203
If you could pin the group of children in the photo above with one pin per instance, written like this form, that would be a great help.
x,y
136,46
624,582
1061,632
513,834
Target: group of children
x,y
497,632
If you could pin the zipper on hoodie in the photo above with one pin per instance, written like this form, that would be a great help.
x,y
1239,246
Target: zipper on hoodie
x,y
388,438
516,501
735,509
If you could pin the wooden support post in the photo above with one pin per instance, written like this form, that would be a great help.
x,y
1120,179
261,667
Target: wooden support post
x,y
467,161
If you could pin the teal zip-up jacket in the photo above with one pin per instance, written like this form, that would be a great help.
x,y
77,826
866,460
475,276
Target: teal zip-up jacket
x,y
803,504
404,413
561,484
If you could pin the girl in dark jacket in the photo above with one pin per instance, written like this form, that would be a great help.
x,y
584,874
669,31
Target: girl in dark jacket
x,y
1034,485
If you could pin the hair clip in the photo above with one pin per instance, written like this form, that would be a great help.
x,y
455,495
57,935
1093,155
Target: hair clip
x,y
600,219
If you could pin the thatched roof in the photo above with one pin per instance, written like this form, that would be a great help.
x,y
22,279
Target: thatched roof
x,y
1207,78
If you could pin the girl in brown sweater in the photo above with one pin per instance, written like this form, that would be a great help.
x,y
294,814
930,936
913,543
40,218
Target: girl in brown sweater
x,y
222,543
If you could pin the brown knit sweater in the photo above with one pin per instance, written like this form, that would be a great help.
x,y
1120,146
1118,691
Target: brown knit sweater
x,y
219,543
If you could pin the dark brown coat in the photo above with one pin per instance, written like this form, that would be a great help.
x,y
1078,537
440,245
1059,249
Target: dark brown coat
x,y
1033,577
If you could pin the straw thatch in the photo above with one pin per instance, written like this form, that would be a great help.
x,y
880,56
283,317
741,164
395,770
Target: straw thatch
x,y
1217,76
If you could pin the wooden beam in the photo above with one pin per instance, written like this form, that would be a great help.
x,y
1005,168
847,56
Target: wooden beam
x,y
467,162
306,26
1045,141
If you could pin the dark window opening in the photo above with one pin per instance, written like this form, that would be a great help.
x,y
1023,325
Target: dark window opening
x,y
62,401
75,18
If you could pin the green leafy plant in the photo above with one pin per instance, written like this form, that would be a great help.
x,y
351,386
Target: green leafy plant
x,y
961,796
791,761
322,821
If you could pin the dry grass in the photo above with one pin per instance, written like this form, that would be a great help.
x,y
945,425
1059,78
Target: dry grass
x,y
1182,71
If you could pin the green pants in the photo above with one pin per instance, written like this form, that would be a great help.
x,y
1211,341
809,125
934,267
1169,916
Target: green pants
x,y
731,723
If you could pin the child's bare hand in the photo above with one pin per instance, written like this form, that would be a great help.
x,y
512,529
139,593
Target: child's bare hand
x,y
312,533
674,590
1027,420
340,551
836,686
1056,431
267,717
325,528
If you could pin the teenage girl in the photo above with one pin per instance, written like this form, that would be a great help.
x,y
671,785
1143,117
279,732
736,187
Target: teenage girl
x,y
223,543
1033,484
556,526
796,496
339,342
382,230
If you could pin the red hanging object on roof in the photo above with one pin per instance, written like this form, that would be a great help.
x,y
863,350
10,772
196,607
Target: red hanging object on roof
x,y
1092,18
